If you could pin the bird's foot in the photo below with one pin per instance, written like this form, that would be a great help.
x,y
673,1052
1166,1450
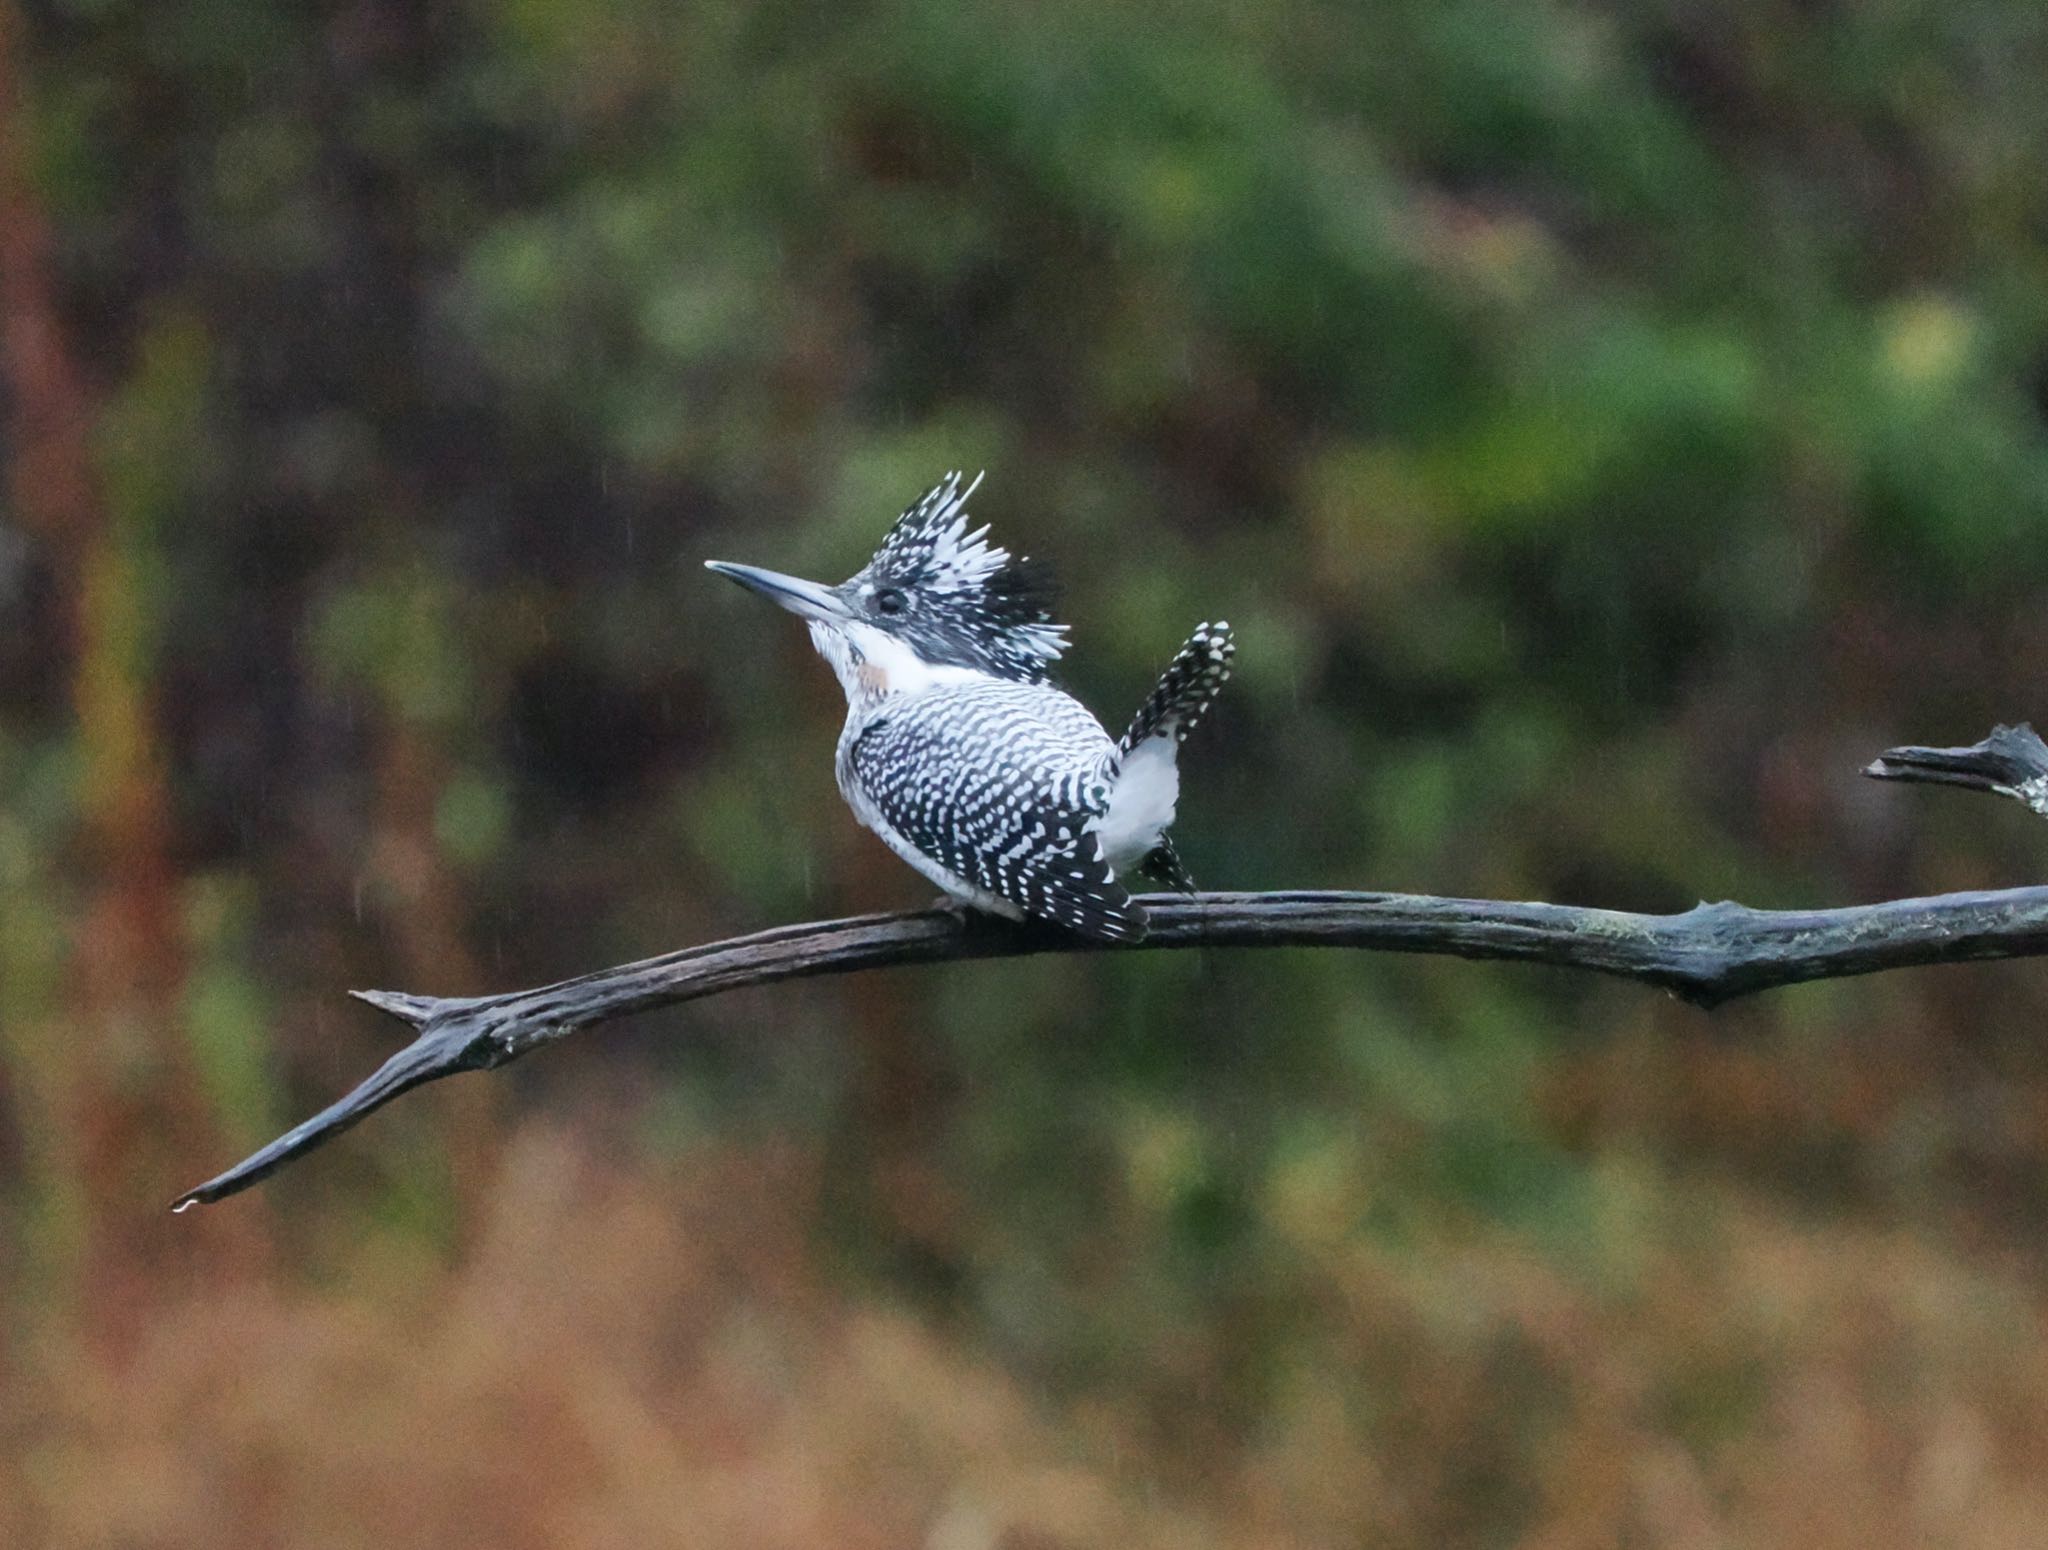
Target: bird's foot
x,y
962,912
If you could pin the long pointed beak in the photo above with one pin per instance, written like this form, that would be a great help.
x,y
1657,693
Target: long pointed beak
x,y
799,597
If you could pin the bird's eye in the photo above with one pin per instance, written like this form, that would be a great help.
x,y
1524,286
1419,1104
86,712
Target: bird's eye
x,y
889,600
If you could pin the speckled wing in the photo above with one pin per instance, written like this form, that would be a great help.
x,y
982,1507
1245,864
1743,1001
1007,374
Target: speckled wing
x,y
1001,784
1163,864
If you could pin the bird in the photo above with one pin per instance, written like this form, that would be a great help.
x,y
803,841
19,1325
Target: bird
x,y
965,756
2011,762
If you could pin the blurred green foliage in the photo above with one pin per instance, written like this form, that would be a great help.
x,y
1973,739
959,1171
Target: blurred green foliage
x,y
1607,425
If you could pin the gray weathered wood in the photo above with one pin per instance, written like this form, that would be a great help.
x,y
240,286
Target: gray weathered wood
x,y
1706,955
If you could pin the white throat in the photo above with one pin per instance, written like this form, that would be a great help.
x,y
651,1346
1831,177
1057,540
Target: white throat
x,y
874,666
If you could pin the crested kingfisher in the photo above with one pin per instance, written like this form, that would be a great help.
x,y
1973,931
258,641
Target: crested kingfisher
x,y
961,752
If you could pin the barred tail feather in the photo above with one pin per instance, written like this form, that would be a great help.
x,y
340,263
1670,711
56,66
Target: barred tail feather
x,y
1143,771
1185,689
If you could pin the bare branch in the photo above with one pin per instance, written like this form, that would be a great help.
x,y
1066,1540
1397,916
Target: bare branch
x,y
1706,955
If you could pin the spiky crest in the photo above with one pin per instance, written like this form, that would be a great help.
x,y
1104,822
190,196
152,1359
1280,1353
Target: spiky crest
x,y
968,601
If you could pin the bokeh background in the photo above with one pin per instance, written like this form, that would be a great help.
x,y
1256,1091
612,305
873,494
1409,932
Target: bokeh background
x,y
1606,424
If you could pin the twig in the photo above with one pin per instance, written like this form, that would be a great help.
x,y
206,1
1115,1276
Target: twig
x,y
1706,955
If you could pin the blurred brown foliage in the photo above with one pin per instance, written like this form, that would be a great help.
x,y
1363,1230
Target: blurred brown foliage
x,y
644,1355
1607,426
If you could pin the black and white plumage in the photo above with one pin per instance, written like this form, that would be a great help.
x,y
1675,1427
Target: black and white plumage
x,y
960,752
